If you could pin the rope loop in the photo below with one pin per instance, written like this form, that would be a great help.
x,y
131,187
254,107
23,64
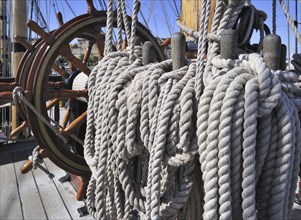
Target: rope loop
x,y
216,139
37,162
17,92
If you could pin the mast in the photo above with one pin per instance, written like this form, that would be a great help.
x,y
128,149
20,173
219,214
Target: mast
x,y
3,40
19,18
191,13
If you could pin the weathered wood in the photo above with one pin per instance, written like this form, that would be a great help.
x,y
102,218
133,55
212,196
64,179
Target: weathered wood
x,y
75,124
32,206
66,191
55,208
59,18
19,129
34,195
192,11
10,205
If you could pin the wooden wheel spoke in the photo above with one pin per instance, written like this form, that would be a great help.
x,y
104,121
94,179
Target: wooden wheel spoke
x,y
88,52
59,18
99,41
49,39
22,41
66,118
56,85
60,71
165,43
52,103
75,124
25,124
19,129
66,52
6,96
91,9
28,165
64,94
6,86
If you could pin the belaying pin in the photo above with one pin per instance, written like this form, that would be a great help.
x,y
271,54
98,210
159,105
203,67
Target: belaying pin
x,y
148,53
228,44
272,51
178,50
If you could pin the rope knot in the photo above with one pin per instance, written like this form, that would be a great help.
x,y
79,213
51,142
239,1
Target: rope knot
x,y
17,93
269,86
37,162
213,37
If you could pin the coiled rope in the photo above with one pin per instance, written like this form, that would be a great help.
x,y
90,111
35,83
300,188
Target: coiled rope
x,y
160,146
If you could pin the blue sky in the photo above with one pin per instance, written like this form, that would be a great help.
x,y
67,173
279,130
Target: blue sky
x,y
157,21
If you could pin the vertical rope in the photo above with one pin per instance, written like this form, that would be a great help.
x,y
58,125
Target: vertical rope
x,y
274,16
109,33
133,29
202,44
125,20
119,25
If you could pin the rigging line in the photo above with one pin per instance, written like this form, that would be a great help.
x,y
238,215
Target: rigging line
x,y
40,16
31,14
98,4
155,23
54,7
155,15
70,8
143,18
62,11
172,8
105,4
48,13
101,5
151,11
175,3
166,18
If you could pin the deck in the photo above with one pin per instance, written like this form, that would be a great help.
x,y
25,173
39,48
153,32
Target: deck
x,y
34,195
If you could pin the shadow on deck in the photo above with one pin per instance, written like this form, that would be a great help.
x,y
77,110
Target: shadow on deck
x,y
34,195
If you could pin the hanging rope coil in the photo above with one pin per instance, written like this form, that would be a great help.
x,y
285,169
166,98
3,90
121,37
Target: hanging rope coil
x,y
261,98
120,93
220,143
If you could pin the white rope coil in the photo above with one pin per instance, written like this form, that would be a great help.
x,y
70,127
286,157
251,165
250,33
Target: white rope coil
x,y
146,126
140,140
123,96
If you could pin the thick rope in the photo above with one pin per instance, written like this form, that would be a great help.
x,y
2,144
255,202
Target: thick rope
x,y
109,33
37,162
220,143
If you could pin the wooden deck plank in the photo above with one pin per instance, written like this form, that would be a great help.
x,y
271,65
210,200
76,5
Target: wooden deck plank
x,y
10,206
29,194
51,199
67,191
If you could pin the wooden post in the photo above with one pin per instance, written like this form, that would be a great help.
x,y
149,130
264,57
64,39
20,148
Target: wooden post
x,y
272,51
191,13
3,40
19,28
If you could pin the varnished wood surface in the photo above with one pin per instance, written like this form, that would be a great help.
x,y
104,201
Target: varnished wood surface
x,y
34,195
